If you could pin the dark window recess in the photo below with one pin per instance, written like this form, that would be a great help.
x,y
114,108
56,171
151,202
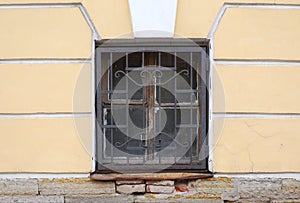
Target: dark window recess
x,y
151,105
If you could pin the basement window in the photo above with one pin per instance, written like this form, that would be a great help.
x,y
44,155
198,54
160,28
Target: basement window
x,y
151,105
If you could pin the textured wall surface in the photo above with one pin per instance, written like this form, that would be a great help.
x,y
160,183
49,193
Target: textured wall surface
x,y
212,190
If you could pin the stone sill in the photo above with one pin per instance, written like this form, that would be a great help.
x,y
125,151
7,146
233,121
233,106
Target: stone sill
x,y
150,176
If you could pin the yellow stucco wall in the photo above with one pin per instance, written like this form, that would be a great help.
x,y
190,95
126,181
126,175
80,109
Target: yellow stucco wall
x,y
49,88
263,89
247,36
257,145
42,84
45,145
60,144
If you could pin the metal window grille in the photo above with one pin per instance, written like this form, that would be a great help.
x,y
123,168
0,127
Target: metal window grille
x,y
151,105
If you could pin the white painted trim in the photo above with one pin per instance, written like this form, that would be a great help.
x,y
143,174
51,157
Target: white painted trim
x,y
259,175
57,5
89,21
43,115
217,22
210,109
93,104
211,86
256,63
255,115
153,18
44,61
43,175
262,6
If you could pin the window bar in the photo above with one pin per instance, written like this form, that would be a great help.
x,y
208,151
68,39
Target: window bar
x,y
159,108
126,105
191,101
145,135
111,119
99,131
175,104
150,61
203,99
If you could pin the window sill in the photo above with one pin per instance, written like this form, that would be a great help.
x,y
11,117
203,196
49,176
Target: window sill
x,y
149,176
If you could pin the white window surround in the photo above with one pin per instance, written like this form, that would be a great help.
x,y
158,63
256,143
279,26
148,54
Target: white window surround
x,y
153,18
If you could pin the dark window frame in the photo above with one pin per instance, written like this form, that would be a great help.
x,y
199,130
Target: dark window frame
x,y
155,45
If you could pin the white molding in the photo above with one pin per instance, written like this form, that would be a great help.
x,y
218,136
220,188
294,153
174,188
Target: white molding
x,y
255,115
262,6
259,175
153,18
44,115
43,175
89,21
93,104
256,63
44,61
57,5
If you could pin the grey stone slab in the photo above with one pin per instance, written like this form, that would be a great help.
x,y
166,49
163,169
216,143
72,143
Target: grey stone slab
x,y
82,186
286,201
99,198
259,188
18,187
32,199
292,185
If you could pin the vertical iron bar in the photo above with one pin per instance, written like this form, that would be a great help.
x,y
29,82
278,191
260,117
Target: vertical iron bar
x,y
175,104
126,104
111,119
159,106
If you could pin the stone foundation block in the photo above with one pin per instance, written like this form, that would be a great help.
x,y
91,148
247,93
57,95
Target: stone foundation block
x,y
18,187
162,182
32,199
75,187
130,189
160,189
99,198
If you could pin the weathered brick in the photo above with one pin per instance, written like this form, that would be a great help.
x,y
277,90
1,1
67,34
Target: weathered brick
x,y
215,187
99,198
129,182
161,182
76,186
18,187
259,188
32,199
160,189
130,189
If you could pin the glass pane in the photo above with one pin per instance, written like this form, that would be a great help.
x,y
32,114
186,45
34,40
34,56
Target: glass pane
x,y
167,59
183,67
117,73
135,59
